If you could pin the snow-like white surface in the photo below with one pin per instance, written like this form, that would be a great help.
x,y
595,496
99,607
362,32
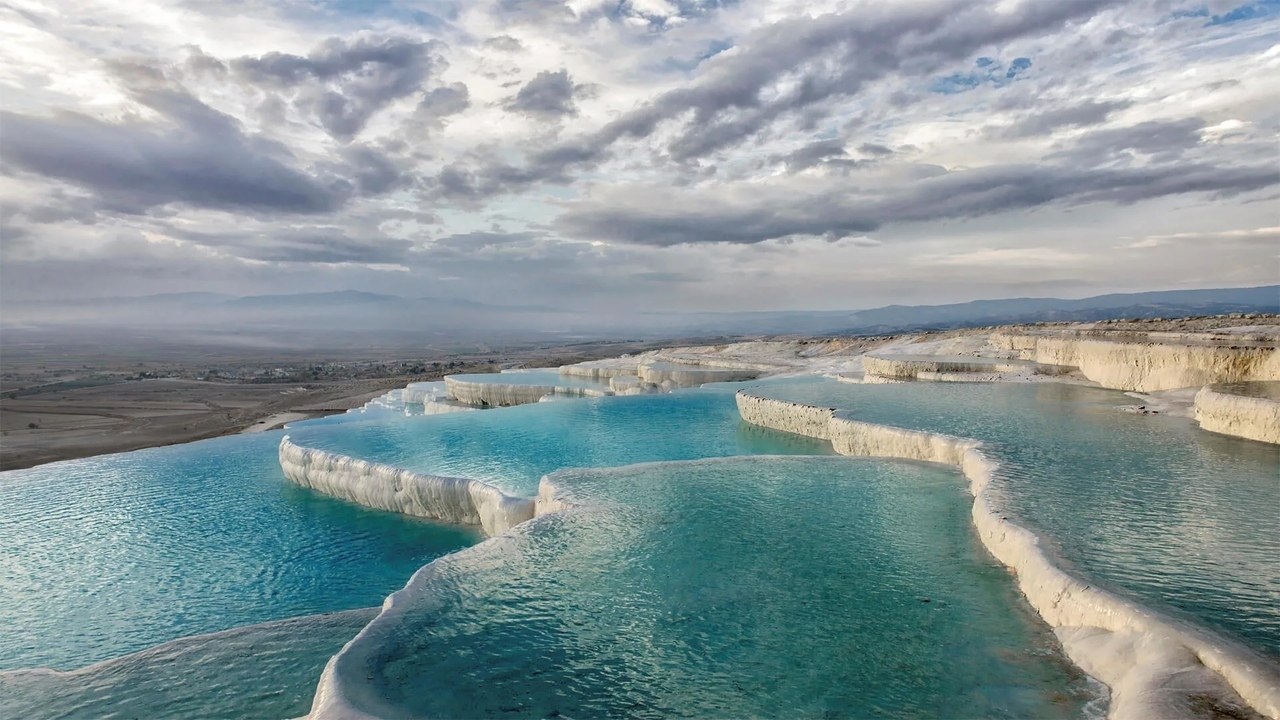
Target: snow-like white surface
x,y
455,500
1219,410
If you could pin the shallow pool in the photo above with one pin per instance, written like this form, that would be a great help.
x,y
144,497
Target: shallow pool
x,y
109,555
1149,505
513,447
748,587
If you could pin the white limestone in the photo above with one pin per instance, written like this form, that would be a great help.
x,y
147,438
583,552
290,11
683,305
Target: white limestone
x,y
485,394
954,369
1147,366
454,500
445,406
1219,409
1154,666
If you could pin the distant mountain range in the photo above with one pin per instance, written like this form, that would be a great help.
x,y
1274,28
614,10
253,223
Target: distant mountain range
x,y
337,318
899,318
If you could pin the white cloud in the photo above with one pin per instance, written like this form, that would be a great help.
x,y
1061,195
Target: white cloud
x,y
1129,131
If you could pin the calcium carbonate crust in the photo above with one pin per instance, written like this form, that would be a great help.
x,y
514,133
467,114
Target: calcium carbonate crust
x,y
943,369
483,394
1153,666
1219,410
1144,365
384,487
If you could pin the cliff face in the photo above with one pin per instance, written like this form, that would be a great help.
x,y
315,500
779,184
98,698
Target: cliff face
x,y
479,394
1155,667
454,500
911,368
1219,409
660,373
1145,366
806,420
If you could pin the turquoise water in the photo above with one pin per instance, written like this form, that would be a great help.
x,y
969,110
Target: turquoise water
x,y
730,588
535,377
1149,505
260,671
748,587
514,447
114,554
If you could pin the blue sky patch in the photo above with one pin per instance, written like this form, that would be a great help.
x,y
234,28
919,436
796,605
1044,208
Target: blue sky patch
x,y
1251,11
988,71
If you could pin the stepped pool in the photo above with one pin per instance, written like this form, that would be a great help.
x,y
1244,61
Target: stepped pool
x,y
111,555
1148,505
774,584
512,448
259,671
535,376
741,587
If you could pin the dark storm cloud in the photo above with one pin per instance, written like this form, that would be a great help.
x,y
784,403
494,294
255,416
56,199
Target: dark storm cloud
x,y
1091,112
199,157
655,218
344,83
548,95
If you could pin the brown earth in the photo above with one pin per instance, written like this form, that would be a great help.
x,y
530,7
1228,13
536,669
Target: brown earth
x,y
79,422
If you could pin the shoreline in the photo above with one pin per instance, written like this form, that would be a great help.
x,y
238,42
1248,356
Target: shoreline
x,y
142,433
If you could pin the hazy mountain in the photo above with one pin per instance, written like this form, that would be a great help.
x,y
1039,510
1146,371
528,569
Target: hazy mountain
x,y
354,319
1170,303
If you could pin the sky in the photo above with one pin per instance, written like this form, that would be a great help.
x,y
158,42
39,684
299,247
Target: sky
x,y
639,154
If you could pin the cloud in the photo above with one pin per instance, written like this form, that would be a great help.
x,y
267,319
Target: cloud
x,y
819,152
442,102
343,83
663,217
1008,257
793,65
1263,236
1089,112
302,244
593,152
504,43
1160,139
195,156
549,95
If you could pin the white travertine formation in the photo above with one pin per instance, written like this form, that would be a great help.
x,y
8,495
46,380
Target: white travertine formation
x,y
1154,666
481,394
454,500
444,407
795,418
601,369
1147,366
659,373
940,368
1219,409
632,385
415,396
